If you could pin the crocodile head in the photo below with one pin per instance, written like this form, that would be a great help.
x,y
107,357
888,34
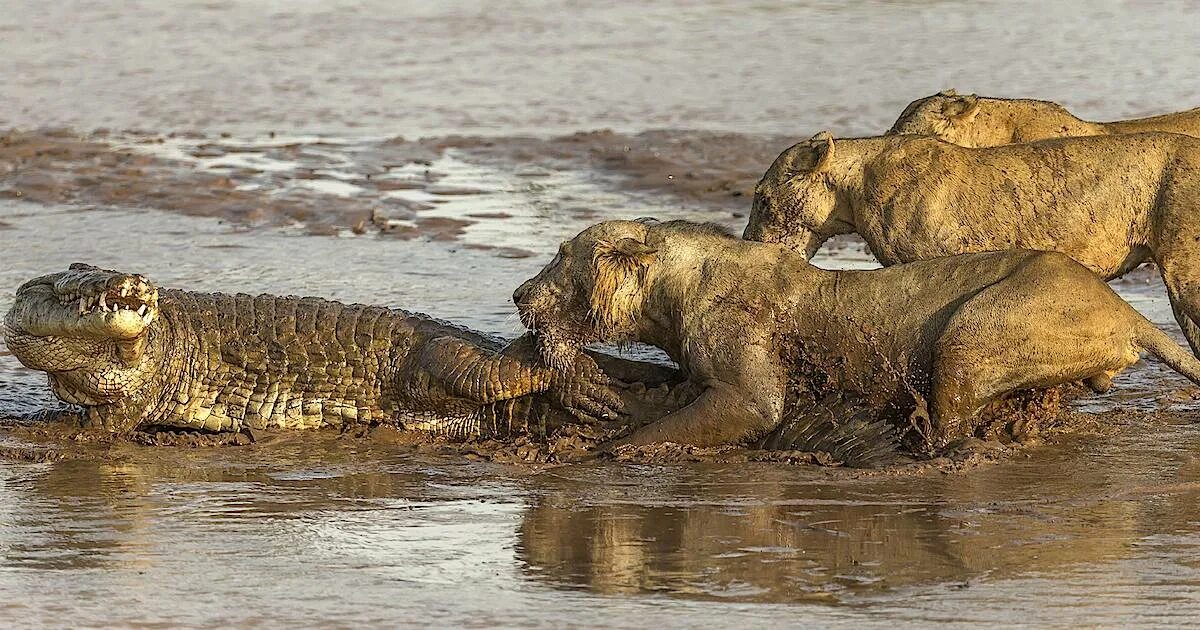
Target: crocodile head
x,y
89,328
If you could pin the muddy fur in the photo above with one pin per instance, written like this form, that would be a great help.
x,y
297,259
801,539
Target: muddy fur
x,y
977,121
932,346
1020,416
1109,202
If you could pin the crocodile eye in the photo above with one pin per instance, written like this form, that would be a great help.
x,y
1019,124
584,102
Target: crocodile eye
x,y
562,247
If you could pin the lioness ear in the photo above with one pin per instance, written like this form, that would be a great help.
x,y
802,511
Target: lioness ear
x,y
633,248
961,109
620,274
822,153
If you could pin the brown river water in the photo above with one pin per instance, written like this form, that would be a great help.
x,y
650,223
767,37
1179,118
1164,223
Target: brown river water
x,y
430,156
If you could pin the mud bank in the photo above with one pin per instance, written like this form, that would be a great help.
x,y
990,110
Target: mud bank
x,y
56,440
1009,429
715,170
392,187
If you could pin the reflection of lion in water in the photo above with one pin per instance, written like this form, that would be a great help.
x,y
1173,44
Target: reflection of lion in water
x,y
960,331
975,121
787,539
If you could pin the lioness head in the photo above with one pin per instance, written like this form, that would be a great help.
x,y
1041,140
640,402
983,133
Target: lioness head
x,y
947,115
592,291
794,202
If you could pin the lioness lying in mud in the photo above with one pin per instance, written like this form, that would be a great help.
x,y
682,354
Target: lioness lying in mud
x,y
759,329
1109,202
974,121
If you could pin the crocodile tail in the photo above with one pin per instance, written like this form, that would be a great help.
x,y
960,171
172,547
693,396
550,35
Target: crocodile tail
x,y
479,374
848,430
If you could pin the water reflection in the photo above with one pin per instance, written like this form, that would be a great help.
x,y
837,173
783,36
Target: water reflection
x,y
762,533
363,532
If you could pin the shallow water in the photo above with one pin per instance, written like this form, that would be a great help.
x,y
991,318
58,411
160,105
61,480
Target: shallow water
x,y
431,67
1097,529
315,529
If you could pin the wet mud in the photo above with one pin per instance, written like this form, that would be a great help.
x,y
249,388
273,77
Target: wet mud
x,y
391,187
1027,419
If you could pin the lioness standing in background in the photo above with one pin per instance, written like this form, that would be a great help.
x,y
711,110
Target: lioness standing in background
x,y
1109,202
974,121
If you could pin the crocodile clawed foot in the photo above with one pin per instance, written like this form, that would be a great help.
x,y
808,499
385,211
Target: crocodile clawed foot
x,y
587,392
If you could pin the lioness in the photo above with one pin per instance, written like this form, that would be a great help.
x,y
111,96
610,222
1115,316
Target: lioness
x,y
757,327
973,121
1108,202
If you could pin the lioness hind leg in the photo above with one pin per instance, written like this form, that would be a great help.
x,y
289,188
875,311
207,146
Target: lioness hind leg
x,y
1034,330
1184,293
1176,245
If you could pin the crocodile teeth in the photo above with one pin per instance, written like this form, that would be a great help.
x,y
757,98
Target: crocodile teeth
x,y
82,305
103,304
142,310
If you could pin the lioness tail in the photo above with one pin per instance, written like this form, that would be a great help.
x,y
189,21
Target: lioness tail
x,y
1159,344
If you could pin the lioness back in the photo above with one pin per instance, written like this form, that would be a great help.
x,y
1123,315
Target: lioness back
x,y
1089,197
1186,122
973,121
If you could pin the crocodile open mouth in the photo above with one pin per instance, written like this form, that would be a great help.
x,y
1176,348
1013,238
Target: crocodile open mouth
x,y
85,301
111,301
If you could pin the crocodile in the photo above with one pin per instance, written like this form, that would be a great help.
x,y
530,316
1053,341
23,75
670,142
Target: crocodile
x,y
136,356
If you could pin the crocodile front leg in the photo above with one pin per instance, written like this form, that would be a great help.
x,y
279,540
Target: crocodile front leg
x,y
467,371
123,416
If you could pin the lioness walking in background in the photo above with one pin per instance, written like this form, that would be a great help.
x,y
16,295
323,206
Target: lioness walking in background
x,y
1109,202
977,121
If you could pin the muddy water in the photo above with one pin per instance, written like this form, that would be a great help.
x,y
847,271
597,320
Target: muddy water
x,y
1099,528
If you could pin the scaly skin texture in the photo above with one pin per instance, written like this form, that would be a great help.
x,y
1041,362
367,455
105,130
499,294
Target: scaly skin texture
x,y
759,330
975,121
136,356
1109,202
